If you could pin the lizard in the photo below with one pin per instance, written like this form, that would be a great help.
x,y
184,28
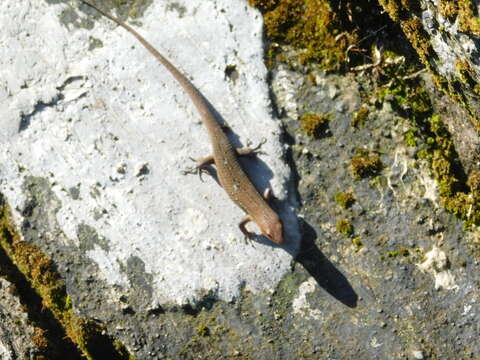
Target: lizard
x,y
231,176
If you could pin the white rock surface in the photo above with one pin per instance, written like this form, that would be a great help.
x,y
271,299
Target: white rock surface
x,y
113,124
436,263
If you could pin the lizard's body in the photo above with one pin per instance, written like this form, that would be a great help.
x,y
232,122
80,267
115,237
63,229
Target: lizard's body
x,y
230,174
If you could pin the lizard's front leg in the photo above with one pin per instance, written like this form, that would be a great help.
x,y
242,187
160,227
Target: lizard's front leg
x,y
204,162
248,151
201,167
242,225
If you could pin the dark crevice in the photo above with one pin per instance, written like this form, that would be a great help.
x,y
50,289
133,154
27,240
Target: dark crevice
x,y
205,303
25,119
58,343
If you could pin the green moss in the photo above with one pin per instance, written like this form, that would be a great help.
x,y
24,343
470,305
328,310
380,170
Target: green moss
x,y
465,11
424,154
263,5
202,330
393,253
360,116
39,339
344,198
344,227
357,242
411,101
310,26
400,9
448,9
401,251
461,88
41,272
473,183
458,196
420,39
409,137
406,13
409,97
314,124
365,164
211,339
378,182
465,73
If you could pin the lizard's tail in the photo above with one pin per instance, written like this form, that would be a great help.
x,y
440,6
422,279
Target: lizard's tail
x,y
197,98
165,62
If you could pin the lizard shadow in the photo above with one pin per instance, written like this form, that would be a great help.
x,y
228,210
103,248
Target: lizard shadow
x,y
319,267
323,270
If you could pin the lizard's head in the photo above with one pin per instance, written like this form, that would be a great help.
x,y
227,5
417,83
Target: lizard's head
x,y
273,231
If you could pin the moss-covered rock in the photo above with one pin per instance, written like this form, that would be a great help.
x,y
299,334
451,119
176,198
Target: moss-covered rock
x,y
310,26
365,164
313,124
344,227
440,35
345,199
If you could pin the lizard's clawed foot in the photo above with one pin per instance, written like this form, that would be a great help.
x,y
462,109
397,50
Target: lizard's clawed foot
x,y
249,238
248,151
198,169
256,149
